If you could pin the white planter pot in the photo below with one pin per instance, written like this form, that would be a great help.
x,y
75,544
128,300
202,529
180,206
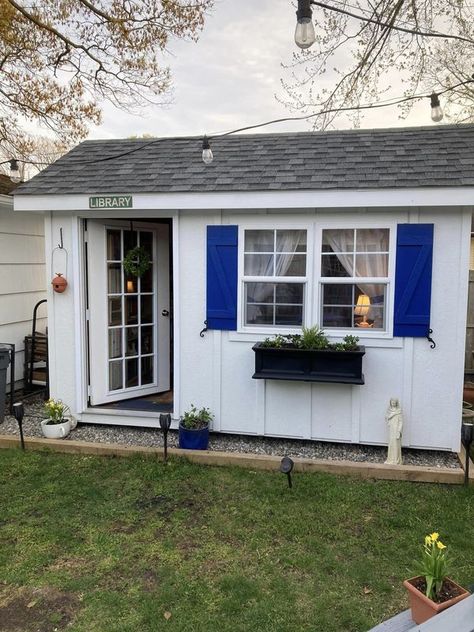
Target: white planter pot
x,y
55,431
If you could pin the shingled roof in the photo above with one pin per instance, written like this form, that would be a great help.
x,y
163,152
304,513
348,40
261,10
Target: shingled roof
x,y
434,156
6,185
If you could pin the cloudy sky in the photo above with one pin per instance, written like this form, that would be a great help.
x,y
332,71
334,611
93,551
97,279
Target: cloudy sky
x,y
231,76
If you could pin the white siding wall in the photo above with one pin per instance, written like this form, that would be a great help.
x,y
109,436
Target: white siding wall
x,y
22,276
216,370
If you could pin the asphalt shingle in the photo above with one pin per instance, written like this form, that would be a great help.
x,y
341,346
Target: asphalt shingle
x,y
431,156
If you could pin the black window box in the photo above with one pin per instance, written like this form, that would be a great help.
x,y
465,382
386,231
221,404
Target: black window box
x,y
302,365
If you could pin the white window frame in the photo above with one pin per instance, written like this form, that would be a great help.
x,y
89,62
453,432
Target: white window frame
x,y
339,333
269,330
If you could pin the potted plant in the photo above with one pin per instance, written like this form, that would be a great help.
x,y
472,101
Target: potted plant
x,y
309,357
432,591
194,428
57,424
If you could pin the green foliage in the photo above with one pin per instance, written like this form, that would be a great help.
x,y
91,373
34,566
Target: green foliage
x,y
219,548
137,261
56,411
310,338
194,419
433,565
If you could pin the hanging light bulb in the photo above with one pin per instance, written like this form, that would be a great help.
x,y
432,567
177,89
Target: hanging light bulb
x,y
304,34
436,109
14,171
207,156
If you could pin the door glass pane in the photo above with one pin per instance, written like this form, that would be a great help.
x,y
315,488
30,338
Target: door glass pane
x,y
130,283
131,341
147,309
115,343
115,375
147,370
113,245
146,281
115,311
114,273
131,373
146,241
147,339
131,310
129,241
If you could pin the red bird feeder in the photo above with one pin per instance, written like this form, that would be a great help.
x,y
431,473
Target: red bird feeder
x,y
59,283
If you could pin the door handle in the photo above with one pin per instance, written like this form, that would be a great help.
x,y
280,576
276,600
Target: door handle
x,y
165,312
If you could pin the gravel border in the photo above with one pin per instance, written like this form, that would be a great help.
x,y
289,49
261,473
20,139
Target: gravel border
x,y
150,437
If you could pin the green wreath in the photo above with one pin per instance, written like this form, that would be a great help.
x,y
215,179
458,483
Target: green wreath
x,y
137,261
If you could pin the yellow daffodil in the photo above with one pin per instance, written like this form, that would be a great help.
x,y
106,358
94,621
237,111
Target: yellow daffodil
x,y
440,545
434,536
427,540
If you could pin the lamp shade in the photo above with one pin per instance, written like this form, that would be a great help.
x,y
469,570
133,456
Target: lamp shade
x,y
363,305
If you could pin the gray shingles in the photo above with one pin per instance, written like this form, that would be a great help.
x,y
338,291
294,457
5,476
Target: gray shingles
x,y
352,159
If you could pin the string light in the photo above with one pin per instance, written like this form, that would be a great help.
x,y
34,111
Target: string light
x,y
304,33
14,171
207,156
436,109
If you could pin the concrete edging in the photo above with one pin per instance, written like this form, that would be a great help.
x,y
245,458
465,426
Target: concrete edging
x,y
414,473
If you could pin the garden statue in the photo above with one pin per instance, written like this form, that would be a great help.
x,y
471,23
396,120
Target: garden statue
x,y
394,419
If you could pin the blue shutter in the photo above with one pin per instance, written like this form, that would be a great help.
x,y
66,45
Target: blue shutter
x,y
222,277
413,280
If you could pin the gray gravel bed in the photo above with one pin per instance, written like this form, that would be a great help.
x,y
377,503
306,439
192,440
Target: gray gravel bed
x,y
148,437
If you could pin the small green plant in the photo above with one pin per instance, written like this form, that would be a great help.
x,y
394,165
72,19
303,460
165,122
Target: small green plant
x,y
56,411
313,338
310,338
194,419
433,565
351,343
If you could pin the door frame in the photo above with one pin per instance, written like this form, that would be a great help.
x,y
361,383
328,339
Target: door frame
x,y
81,359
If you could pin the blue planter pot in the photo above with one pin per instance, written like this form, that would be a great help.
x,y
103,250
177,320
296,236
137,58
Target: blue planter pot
x,y
193,439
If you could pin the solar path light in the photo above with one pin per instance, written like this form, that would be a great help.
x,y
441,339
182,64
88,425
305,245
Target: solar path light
x,y
19,413
165,423
286,467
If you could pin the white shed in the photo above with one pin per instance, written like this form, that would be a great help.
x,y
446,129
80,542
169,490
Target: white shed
x,y
280,231
22,273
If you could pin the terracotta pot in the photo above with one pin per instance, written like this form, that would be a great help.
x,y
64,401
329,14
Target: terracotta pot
x,y
423,608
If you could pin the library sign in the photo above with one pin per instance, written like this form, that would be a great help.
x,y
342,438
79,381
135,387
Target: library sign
x,y
111,201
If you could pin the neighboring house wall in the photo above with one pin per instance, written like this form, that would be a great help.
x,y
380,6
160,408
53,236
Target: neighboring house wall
x,y
471,262
22,276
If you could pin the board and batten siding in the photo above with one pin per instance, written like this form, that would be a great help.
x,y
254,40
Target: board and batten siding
x,y
22,277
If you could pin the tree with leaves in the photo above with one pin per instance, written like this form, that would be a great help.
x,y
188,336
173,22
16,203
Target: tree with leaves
x,y
382,53
60,59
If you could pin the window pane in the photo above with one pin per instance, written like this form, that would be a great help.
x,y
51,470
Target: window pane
x,y
115,311
147,309
372,239
337,294
131,373
288,315
146,241
113,245
115,343
337,265
337,317
338,240
114,273
371,265
291,241
147,370
290,265
259,315
260,292
147,339
259,240
289,293
131,341
129,241
115,375
131,310
258,265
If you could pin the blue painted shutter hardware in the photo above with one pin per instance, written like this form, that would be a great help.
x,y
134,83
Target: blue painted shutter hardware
x,y
222,243
413,280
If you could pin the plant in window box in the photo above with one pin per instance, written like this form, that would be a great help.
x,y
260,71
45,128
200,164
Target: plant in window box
x,y
58,423
432,591
194,428
309,357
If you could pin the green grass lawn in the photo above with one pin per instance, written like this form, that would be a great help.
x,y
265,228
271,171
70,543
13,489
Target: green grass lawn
x,y
108,544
